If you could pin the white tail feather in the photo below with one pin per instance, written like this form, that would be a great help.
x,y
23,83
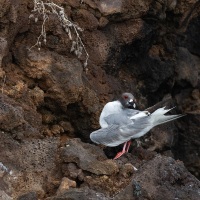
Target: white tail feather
x,y
162,111
158,116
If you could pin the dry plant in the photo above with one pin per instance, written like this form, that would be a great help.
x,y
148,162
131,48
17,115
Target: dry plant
x,y
44,9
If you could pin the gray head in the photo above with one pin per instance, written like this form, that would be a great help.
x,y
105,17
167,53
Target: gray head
x,y
128,100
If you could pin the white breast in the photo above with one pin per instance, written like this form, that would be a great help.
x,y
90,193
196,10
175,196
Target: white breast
x,y
109,108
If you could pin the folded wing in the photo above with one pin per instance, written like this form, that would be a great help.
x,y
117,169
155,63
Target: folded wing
x,y
115,135
122,118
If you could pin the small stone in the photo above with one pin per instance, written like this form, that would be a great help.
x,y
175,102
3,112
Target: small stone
x,y
103,22
65,185
72,171
127,170
110,7
67,126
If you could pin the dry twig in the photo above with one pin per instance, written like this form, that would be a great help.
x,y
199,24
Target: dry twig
x,y
44,9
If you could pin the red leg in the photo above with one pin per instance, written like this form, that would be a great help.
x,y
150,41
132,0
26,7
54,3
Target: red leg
x,y
128,145
119,154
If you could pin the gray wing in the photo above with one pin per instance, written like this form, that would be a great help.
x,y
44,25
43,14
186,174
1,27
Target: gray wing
x,y
130,112
121,118
115,135
138,128
110,136
117,119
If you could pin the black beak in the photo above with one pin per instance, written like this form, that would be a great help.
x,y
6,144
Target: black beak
x,y
131,104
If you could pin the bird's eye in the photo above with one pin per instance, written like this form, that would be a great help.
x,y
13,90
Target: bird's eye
x,y
125,97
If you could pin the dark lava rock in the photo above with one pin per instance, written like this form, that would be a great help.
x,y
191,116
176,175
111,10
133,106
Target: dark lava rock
x,y
159,178
88,157
80,194
162,178
165,178
28,196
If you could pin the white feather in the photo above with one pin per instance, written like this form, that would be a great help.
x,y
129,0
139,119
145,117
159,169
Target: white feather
x,y
109,109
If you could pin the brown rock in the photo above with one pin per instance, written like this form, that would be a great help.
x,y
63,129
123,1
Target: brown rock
x,y
28,196
88,157
80,193
5,7
171,4
103,22
18,119
163,177
67,127
128,31
72,171
126,9
162,136
3,48
4,196
74,3
111,7
187,67
170,178
65,185
127,170
91,3
53,69
29,164
86,19
9,113
97,46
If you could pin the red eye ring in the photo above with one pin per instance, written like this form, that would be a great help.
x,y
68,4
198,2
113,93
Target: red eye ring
x,y
125,97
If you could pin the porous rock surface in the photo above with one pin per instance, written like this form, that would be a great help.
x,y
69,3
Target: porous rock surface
x,y
49,103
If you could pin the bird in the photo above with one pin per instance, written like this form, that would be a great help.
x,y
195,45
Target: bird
x,y
132,124
125,103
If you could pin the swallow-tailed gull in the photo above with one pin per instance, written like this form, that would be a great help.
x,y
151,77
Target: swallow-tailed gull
x,y
125,103
130,125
